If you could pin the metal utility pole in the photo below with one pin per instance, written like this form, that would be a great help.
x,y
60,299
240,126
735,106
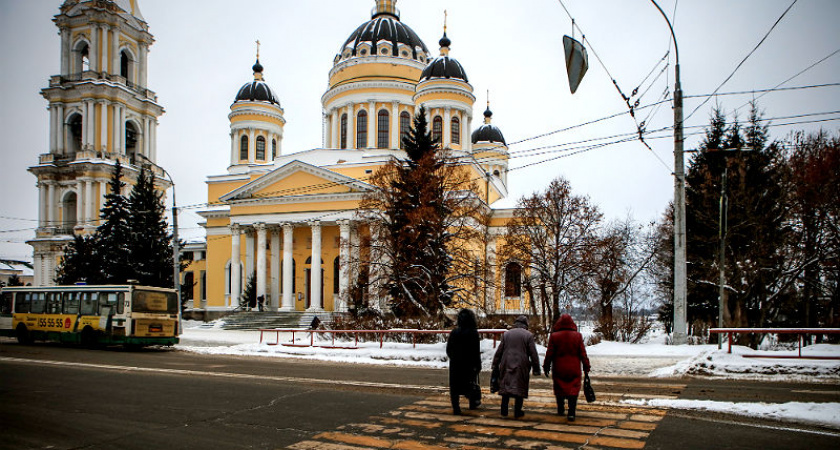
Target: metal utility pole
x,y
722,256
680,301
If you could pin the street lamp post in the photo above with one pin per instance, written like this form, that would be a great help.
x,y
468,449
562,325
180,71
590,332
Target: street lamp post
x,y
680,303
176,266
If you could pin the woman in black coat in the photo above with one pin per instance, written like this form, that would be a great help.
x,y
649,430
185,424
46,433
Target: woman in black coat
x,y
464,351
515,358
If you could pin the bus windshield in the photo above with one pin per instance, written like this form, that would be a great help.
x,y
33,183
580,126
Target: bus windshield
x,y
154,302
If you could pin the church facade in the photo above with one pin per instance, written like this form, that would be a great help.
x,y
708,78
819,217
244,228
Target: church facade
x,y
289,222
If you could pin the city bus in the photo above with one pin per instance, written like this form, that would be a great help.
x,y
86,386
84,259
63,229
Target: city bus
x,y
130,315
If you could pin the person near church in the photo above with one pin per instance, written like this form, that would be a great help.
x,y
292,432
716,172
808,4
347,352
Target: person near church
x,y
515,358
464,351
565,355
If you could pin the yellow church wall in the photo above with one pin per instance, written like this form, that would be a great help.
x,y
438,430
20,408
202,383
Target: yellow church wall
x,y
453,96
257,118
358,72
244,209
217,189
218,254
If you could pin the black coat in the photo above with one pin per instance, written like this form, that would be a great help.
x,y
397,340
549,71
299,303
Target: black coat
x,y
464,351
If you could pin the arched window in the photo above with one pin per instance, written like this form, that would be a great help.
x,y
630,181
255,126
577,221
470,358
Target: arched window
x,y
260,148
81,60
361,129
126,66
343,143
513,280
437,129
405,127
68,206
456,131
273,149
130,139
382,127
336,271
74,134
243,148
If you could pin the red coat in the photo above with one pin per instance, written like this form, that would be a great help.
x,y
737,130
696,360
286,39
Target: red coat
x,y
565,355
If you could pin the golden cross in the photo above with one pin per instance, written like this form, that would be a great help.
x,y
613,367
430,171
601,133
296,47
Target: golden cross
x,y
258,49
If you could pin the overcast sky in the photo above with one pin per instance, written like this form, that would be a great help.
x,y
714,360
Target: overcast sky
x,y
204,51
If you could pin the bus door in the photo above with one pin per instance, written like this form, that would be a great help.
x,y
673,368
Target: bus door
x,y
6,299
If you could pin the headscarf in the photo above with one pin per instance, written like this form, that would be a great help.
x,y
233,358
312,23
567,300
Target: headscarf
x,y
521,322
466,320
565,322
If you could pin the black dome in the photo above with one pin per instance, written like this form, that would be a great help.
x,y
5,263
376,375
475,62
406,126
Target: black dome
x,y
488,133
384,27
444,67
256,91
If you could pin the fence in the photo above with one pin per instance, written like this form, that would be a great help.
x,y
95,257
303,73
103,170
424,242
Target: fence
x,y
379,333
802,332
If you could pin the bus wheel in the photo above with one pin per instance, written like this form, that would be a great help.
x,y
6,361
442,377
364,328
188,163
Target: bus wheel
x,y
88,337
23,336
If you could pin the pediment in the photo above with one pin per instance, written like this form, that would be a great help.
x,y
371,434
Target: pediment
x,y
297,179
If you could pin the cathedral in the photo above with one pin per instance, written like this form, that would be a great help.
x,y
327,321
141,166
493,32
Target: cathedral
x,y
285,220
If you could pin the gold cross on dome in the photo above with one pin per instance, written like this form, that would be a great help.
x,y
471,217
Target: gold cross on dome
x,y
258,49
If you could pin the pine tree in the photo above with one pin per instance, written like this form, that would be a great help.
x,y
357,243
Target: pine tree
x,y
80,262
150,245
112,237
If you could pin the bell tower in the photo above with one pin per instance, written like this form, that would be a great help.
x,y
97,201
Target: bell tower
x,y
101,111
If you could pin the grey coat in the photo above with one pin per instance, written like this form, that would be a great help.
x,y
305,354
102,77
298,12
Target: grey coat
x,y
515,358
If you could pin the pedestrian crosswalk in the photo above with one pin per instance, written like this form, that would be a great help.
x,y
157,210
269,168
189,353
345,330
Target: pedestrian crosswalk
x,y
429,424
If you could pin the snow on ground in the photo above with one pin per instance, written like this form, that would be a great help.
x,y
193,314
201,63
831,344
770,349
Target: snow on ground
x,y
823,414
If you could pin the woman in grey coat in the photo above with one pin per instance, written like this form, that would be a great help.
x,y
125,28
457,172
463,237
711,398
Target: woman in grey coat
x,y
515,358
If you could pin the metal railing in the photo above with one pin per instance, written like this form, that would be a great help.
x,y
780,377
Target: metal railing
x,y
380,334
801,332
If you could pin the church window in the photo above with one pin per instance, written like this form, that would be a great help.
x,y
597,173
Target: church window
x,y
74,137
405,127
273,148
336,275
131,137
343,143
361,129
82,57
513,280
437,129
243,148
382,135
126,66
456,131
260,148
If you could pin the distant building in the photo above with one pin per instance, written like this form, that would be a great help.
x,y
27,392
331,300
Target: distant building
x,y
20,269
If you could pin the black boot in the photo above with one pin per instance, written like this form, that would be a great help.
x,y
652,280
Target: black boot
x,y
505,402
572,407
561,405
456,405
517,407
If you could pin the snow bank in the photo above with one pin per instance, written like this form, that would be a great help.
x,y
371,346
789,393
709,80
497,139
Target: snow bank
x,y
823,414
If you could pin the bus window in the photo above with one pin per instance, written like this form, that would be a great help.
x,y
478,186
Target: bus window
x,y
22,302
107,300
53,303
38,303
71,303
89,303
6,303
154,301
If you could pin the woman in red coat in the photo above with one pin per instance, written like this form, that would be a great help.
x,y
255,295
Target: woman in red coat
x,y
566,353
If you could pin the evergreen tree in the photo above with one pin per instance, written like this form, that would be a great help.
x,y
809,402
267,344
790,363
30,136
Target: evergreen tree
x,y
80,262
149,244
112,237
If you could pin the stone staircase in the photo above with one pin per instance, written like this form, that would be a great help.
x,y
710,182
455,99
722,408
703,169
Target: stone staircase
x,y
254,320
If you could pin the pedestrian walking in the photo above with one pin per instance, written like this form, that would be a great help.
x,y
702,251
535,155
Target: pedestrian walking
x,y
464,351
565,355
515,358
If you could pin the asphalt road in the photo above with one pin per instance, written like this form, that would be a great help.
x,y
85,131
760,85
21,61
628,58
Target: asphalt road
x,y
67,397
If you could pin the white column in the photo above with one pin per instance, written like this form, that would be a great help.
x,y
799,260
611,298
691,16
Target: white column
x,y
59,144
53,128
447,128
335,134
85,124
466,138
249,253
65,50
51,204
122,129
252,146
235,278
103,124
153,140
103,191
144,50
275,268
88,202
42,204
234,157
147,136
351,126
94,48
371,143
261,266
395,125
116,130
288,293
115,50
343,266
80,195
315,272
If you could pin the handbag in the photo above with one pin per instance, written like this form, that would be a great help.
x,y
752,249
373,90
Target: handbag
x,y
588,392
